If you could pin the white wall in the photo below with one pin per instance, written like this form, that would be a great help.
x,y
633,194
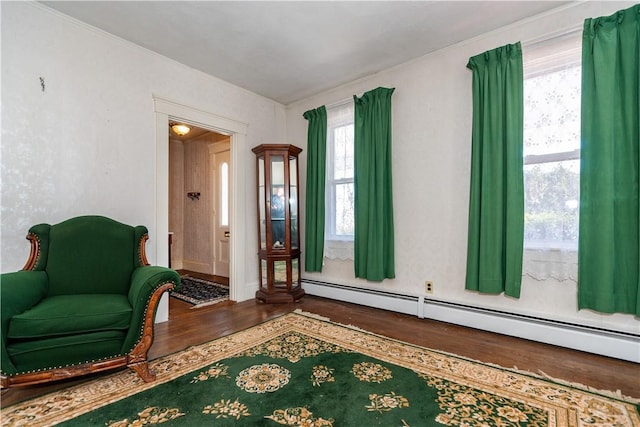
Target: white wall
x,y
432,111
87,143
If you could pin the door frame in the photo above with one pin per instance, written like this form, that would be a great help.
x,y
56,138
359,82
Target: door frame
x,y
166,110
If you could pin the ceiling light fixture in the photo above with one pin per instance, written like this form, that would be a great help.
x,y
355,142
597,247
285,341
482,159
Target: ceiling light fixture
x,y
179,129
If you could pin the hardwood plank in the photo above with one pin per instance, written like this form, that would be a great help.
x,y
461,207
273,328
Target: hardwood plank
x,y
187,327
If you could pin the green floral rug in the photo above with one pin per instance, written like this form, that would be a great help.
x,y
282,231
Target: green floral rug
x,y
299,370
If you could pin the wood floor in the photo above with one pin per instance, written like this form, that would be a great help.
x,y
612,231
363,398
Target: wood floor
x,y
187,327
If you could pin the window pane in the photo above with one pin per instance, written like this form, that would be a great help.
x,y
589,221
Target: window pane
x,y
552,112
552,192
262,202
344,210
339,225
224,194
343,152
552,133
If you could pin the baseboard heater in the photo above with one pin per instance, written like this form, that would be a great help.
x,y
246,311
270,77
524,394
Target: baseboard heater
x,y
605,342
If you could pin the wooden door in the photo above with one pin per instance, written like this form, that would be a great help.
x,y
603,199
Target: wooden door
x,y
222,214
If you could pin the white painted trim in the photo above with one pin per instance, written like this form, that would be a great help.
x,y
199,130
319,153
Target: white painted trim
x,y
594,341
405,304
165,110
197,117
197,266
240,290
605,343
162,199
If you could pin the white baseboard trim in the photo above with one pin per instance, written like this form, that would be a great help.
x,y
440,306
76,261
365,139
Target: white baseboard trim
x,y
592,340
198,267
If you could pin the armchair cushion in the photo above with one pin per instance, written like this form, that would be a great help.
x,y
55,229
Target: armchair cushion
x,y
72,314
33,355
19,291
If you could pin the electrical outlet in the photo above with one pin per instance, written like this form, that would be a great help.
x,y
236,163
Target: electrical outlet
x,y
428,287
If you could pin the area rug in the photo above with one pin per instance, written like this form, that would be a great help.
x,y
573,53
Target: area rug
x,y
200,292
301,370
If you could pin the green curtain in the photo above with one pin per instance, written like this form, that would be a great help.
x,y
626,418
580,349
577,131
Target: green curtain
x,y
609,249
374,237
315,209
496,205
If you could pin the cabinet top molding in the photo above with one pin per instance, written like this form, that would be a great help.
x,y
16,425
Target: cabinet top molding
x,y
292,149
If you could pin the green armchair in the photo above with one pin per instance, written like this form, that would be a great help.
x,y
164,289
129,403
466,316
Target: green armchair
x,y
84,302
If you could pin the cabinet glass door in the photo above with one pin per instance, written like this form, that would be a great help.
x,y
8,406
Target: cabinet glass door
x,y
293,200
262,202
277,202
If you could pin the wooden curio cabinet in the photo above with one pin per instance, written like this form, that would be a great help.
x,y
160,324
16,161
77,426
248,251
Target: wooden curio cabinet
x,y
278,232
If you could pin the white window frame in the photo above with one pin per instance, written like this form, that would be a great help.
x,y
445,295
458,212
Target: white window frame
x,y
337,246
332,183
551,260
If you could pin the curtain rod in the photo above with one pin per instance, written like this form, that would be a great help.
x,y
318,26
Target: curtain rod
x,y
553,35
339,103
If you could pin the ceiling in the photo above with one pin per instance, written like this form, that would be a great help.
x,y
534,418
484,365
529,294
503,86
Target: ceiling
x,y
289,50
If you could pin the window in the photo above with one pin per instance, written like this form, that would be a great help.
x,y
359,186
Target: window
x,y
552,142
224,194
339,225
552,78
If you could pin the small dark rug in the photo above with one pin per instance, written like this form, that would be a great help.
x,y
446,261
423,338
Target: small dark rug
x,y
200,292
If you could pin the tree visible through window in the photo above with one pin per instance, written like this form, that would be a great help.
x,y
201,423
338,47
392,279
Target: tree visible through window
x,y
552,76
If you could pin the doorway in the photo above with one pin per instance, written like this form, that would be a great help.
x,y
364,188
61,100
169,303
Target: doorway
x,y
166,110
199,201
